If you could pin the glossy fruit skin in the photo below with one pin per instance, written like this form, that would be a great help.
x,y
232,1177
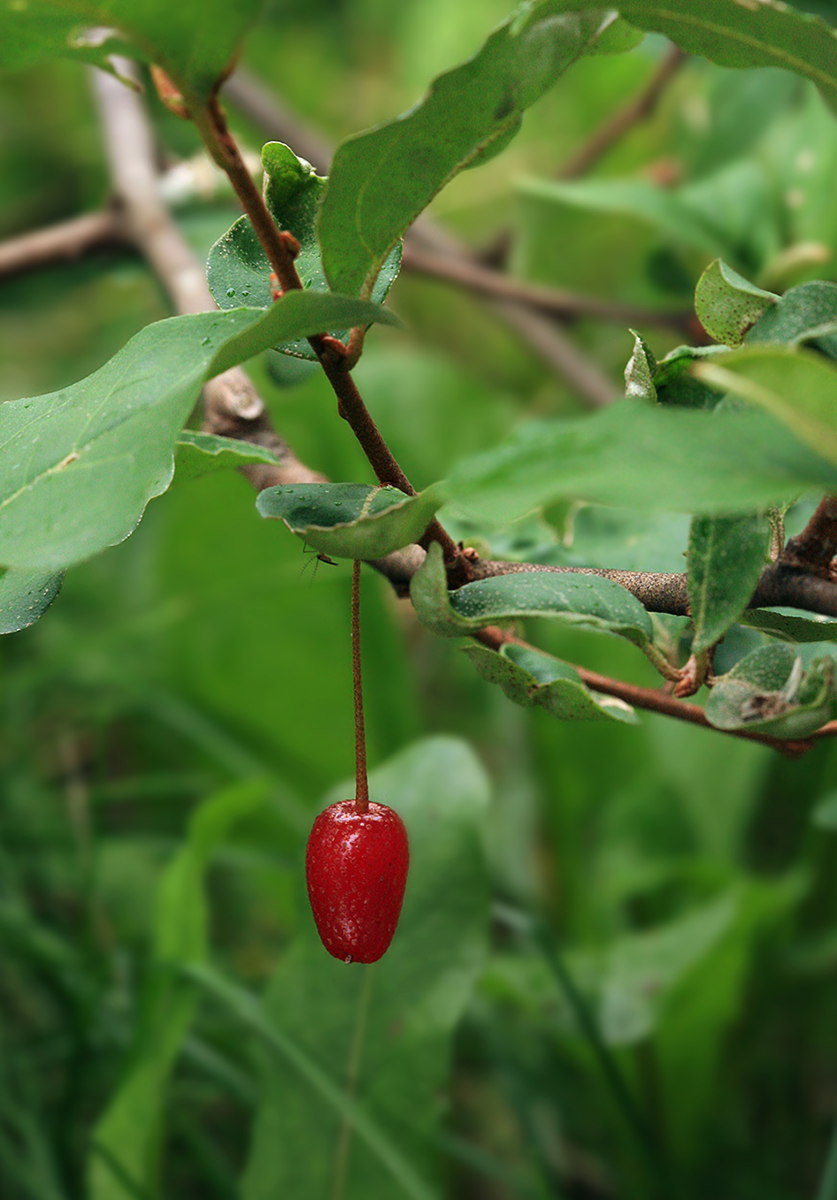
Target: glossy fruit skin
x,y
356,869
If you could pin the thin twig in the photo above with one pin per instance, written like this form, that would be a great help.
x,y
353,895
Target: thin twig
x,y
281,249
619,123
470,274
361,782
652,700
63,242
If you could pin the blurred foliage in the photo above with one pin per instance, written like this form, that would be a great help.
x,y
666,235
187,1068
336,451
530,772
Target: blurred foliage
x,y
654,1017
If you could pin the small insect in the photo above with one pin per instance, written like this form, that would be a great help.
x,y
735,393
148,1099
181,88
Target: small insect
x,y
319,557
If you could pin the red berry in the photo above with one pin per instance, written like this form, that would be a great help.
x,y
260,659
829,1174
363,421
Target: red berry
x,y
356,867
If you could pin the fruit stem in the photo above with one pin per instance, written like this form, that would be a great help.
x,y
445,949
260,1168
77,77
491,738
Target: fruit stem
x,y
361,783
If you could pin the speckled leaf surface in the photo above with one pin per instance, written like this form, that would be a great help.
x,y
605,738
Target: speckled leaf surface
x,y
769,692
726,556
587,600
351,520
532,679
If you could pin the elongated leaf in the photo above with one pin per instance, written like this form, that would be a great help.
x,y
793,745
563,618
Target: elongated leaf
x,y
735,34
25,596
78,467
238,270
351,520
727,304
789,627
768,692
799,387
193,44
636,455
399,1015
251,1014
726,557
382,179
199,453
575,599
130,1130
530,679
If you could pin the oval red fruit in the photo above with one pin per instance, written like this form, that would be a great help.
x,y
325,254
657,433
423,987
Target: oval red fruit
x,y
356,868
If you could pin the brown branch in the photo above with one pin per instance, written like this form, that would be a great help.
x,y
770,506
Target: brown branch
x,y
620,122
470,274
63,242
782,584
281,251
814,548
653,700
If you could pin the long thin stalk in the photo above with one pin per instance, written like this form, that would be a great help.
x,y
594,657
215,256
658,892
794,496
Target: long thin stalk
x,y
361,782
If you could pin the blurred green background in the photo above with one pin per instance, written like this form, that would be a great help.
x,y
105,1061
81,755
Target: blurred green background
x,y
617,966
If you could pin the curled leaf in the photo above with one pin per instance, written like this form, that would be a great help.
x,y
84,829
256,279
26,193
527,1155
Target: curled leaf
x,y
351,520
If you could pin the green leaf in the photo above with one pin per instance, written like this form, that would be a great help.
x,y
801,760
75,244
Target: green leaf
x,y
352,520
728,305
588,600
676,384
25,596
131,1129
805,314
529,678
78,467
198,453
630,198
394,1021
799,387
382,179
194,45
789,627
769,692
726,557
636,455
250,1013
736,34
238,270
